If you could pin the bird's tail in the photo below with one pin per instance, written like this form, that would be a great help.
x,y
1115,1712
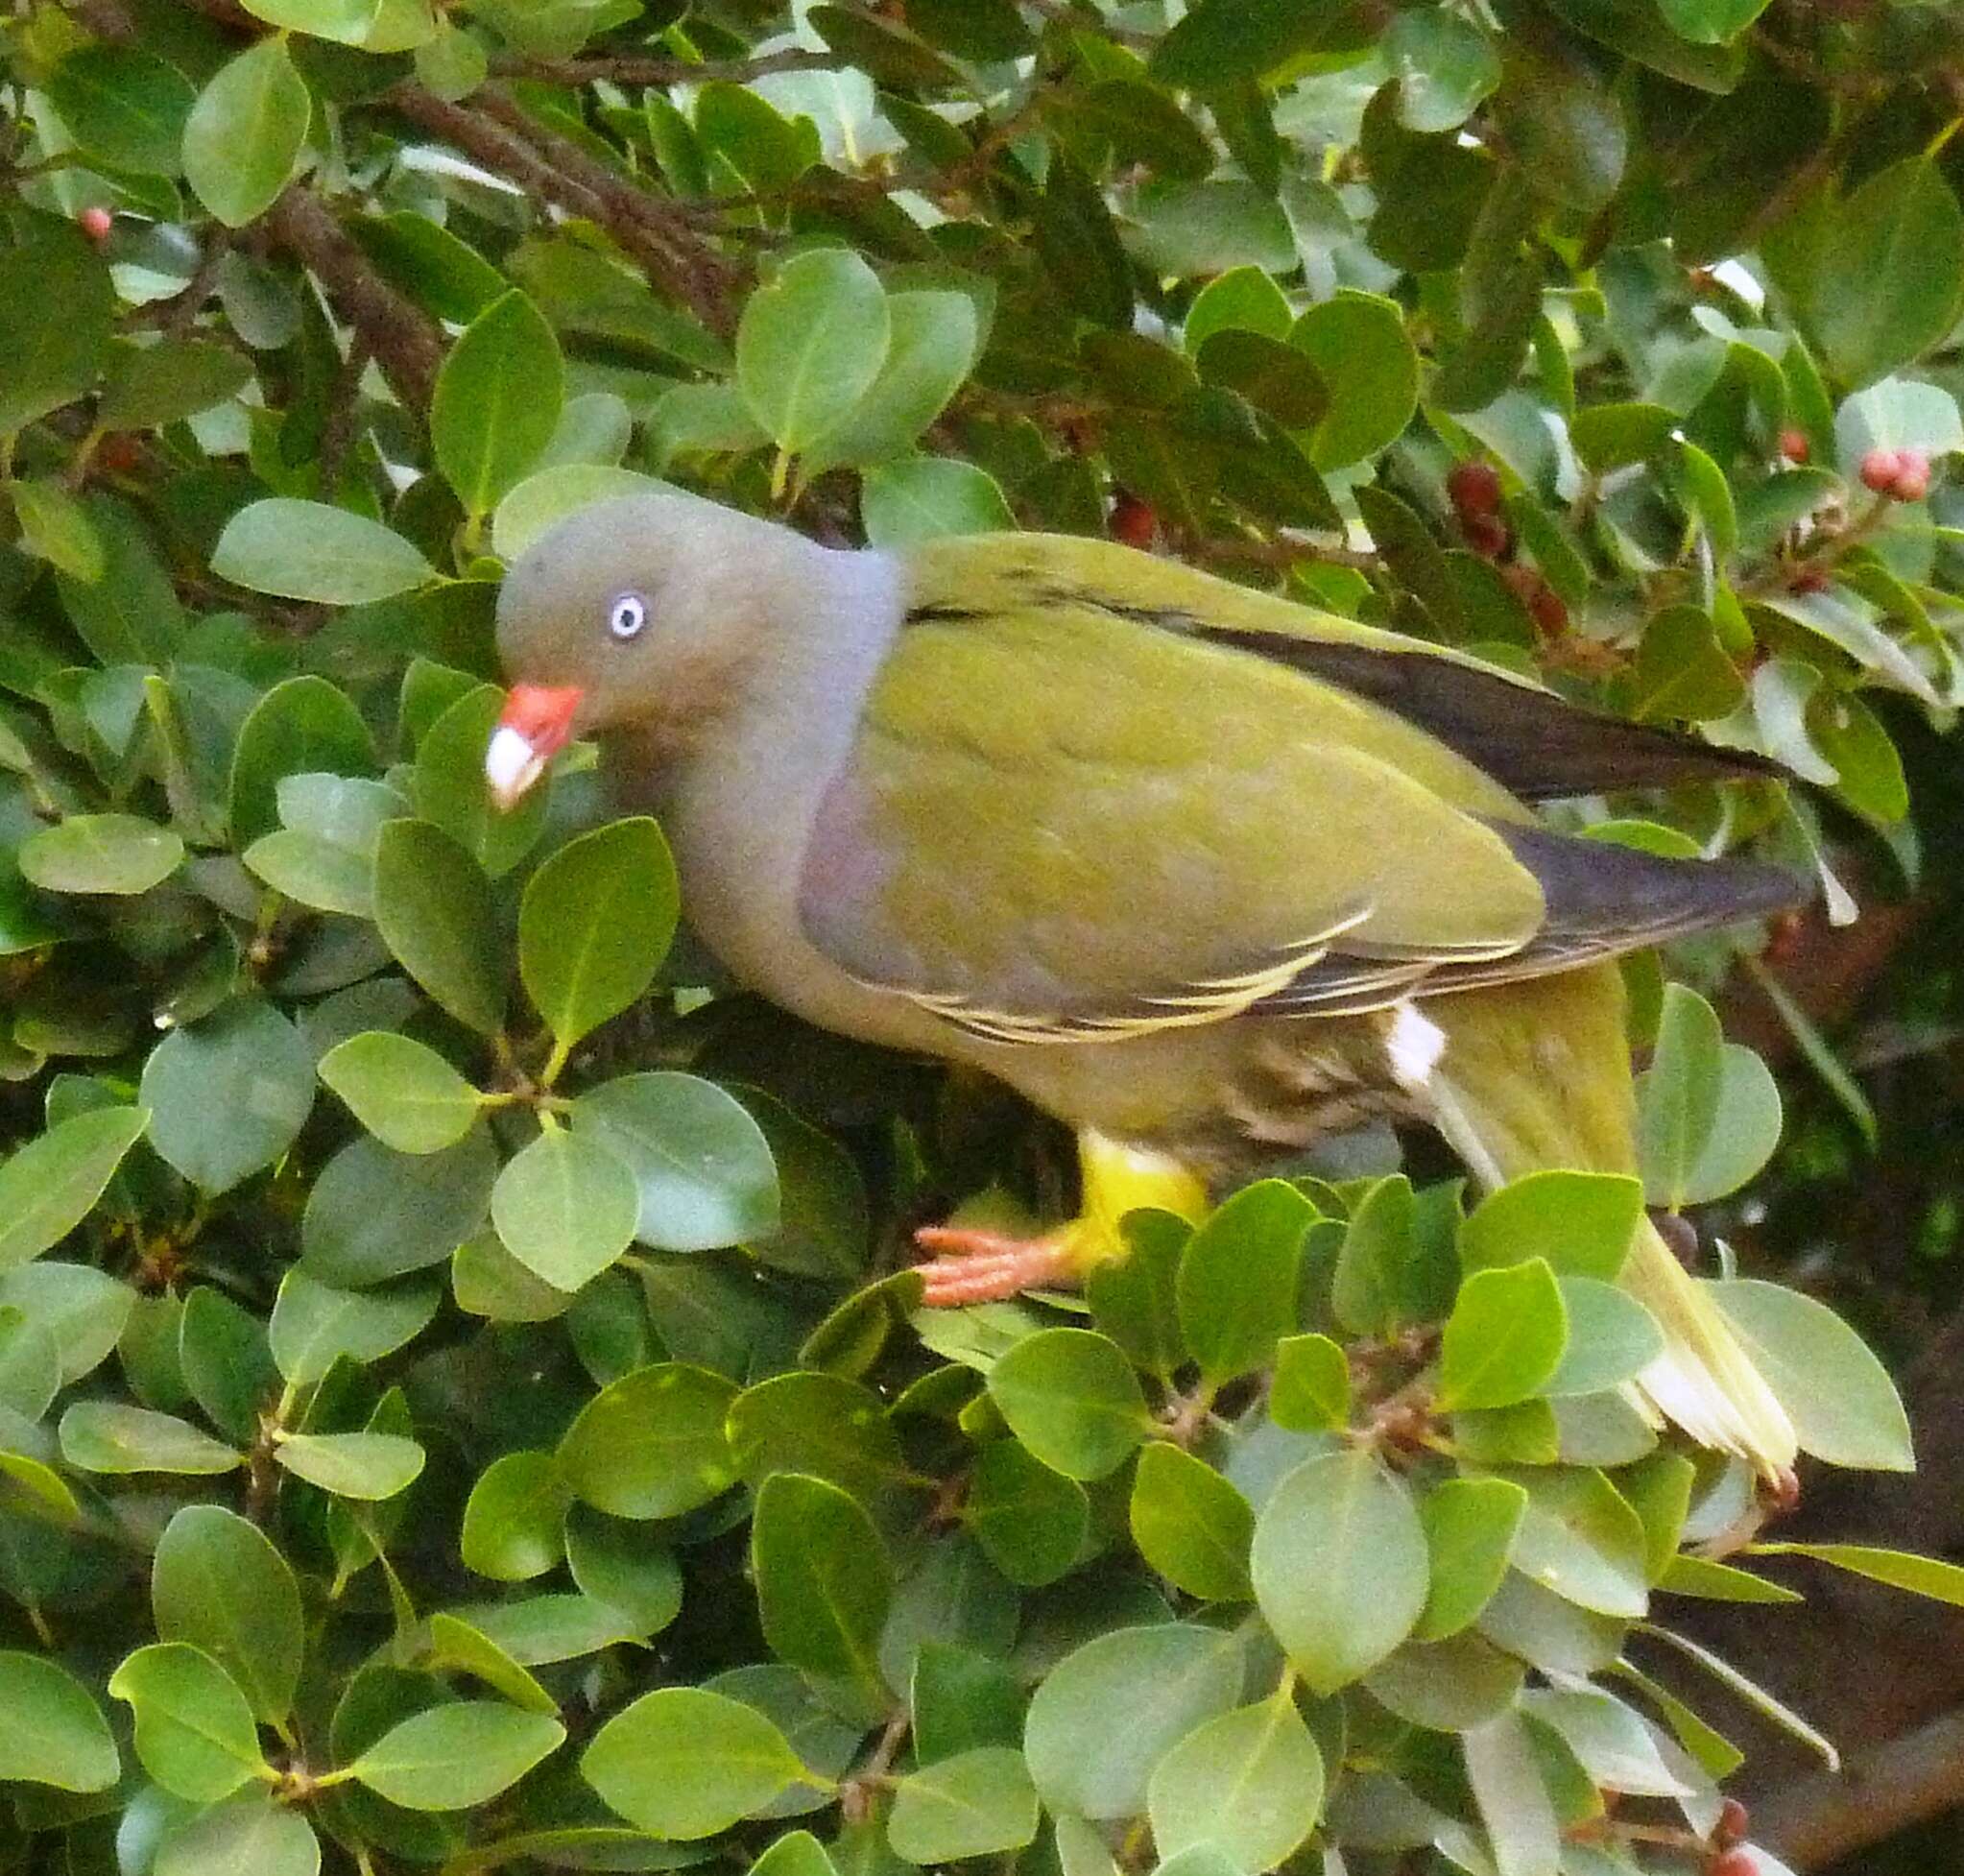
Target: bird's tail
x,y
1536,1075
1704,1380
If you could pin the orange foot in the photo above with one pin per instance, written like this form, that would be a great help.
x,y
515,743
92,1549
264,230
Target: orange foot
x,y
987,1266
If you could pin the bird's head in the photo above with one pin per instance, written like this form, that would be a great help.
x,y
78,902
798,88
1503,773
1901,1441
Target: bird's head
x,y
643,610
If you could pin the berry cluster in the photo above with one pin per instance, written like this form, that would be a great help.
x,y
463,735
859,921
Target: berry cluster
x,y
1900,474
1473,488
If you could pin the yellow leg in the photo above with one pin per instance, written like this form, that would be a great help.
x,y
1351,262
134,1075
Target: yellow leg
x,y
986,1267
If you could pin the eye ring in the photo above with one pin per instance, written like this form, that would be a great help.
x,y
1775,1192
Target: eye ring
x,y
626,612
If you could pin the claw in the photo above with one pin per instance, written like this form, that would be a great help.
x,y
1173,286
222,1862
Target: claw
x,y
988,1267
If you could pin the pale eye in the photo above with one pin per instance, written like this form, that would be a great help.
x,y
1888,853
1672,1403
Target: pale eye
x,y
627,615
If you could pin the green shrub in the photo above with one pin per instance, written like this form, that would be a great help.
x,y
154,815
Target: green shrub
x,y
459,1407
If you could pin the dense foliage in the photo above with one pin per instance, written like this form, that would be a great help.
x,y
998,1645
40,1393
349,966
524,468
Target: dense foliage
x,y
461,1398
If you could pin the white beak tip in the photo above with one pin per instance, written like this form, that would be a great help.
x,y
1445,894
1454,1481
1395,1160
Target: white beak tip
x,y
511,766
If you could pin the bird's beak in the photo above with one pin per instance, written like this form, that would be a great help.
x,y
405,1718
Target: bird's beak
x,y
537,720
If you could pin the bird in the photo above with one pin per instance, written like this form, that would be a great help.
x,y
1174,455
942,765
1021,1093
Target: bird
x,y
1202,872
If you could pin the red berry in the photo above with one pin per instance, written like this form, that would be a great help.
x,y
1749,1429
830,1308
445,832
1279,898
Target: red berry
x,y
1132,520
97,223
1733,1863
1912,477
1474,489
1486,535
1879,471
1807,579
118,452
1550,615
1733,1824
1794,444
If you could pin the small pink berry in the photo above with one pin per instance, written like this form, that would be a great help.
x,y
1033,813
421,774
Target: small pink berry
x,y
1879,471
1912,477
1794,444
98,223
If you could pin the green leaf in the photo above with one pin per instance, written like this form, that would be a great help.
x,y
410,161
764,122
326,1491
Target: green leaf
x,y
1110,1711
1340,1567
514,1519
252,1835
1309,1391
824,1580
218,1582
348,21
931,351
376,1214
1884,284
1249,1782
1580,1539
1504,1339
1930,1576
56,1733
1072,1399
1580,1223
1843,1405
566,1207
1133,1298
1512,1798
682,1762
124,107
1720,1582
121,855
1237,1277
457,1755
52,1183
1078,244
811,343
309,550
228,1096
405,1092
57,528
1219,41
433,908
303,727
1678,1094
245,132
314,1325
1358,343
365,1466
111,1436
169,381
1711,22
703,1165
615,1565
1191,1524
195,1732
975,1804
594,923
451,790
325,855
1245,300
927,497
57,308
821,1424
1031,1521
1470,1527
497,401
653,1444
1378,1245
1612,1339
1444,66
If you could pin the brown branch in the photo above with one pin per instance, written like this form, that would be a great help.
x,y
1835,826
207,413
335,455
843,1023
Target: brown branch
x,y
406,342
1885,1790
700,276
628,69
554,169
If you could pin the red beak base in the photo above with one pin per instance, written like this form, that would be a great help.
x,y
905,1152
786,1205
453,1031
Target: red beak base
x,y
536,724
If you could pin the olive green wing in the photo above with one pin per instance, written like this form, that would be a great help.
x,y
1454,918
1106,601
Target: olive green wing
x,y
1057,825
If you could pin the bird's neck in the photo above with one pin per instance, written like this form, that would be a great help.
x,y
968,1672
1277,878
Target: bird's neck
x,y
740,804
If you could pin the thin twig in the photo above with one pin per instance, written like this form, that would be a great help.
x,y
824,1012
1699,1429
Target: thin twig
x,y
629,68
673,255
